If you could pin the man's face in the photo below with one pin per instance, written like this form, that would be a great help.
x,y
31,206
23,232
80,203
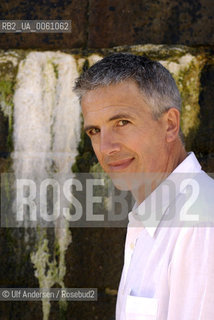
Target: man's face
x,y
124,135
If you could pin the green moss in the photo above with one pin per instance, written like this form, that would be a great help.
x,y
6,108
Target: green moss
x,y
56,69
62,310
188,81
86,156
8,71
156,52
45,270
6,103
50,269
186,70
96,168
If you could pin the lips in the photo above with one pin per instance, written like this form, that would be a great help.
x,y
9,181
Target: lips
x,y
120,164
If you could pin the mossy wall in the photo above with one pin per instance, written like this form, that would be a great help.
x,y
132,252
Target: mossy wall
x,y
159,29
95,256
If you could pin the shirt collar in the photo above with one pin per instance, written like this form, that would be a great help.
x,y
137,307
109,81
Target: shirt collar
x,y
155,205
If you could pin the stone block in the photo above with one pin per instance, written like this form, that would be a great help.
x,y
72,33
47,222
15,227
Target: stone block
x,y
116,22
49,10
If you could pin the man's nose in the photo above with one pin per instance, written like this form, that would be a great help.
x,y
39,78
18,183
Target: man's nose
x,y
109,143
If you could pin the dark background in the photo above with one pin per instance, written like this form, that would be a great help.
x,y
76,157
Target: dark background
x,y
109,23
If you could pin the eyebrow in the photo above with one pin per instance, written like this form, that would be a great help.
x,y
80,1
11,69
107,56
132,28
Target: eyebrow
x,y
121,116
115,117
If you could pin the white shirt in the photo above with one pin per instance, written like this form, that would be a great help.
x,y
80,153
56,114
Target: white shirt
x,y
168,269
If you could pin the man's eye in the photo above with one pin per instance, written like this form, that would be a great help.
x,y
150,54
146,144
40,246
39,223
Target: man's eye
x,y
122,123
93,131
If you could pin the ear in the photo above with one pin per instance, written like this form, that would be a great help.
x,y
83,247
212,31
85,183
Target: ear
x,y
172,121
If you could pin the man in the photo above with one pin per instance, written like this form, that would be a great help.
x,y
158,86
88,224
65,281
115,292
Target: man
x,y
131,109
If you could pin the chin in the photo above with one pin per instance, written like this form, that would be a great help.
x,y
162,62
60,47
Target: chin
x,y
126,181
121,185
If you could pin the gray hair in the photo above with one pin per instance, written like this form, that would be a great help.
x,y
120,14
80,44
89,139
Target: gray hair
x,y
155,82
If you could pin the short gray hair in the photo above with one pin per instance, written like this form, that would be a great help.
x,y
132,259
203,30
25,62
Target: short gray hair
x,y
155,82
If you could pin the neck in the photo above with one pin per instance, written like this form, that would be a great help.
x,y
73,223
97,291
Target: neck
x,y
152,180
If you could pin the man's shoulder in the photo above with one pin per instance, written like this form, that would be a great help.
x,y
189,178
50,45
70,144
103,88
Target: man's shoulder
x,y
206,185
202,198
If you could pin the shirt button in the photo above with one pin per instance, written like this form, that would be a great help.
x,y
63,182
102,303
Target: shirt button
x,y
132,246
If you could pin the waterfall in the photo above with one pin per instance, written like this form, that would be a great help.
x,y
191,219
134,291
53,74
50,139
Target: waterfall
x,y
46,136
46,114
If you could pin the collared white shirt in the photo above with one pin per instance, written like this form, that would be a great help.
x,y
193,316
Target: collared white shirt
x,y
168,269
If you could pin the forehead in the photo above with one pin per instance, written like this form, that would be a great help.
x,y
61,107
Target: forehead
x,y
124,97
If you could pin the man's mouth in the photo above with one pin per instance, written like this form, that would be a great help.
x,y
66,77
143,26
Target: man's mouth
x,y
120,164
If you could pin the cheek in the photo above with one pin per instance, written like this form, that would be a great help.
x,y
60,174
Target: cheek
x,y
95,145
141,146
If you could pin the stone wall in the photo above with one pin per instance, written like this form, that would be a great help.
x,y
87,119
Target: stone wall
x,y
109,23
95,256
